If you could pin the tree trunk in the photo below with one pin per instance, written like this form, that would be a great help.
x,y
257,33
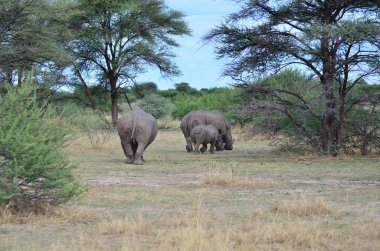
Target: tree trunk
x,y
114,105
8,77
340,127
329,134
19,76
328,119
327,81
364,146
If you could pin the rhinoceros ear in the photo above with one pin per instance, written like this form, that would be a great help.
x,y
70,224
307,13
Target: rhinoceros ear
x,y
197,130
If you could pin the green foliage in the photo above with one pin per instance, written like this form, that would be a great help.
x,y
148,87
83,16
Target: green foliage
x,y
140,90
292,88
363,121
81,118
89,122
156,105
139,33
363,129
33,168
99,94
185,88
221,99
170,93
31,35
289,104
184,104
254,48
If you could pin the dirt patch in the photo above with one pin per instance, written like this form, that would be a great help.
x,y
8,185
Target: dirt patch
x,y
186,180
338,183
148,181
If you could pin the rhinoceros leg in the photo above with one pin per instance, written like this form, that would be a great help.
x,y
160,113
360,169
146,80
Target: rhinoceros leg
x,y
189,145
128,151
203,148
139,154
196,148
212,146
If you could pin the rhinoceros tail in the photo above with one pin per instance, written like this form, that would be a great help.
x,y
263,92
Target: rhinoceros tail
x,y
134,124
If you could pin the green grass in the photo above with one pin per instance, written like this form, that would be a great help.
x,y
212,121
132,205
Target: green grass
x,y
249,198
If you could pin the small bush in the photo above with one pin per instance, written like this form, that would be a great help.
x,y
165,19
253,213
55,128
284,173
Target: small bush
x,y
362,124
170,93
92,123
183,105
99,94
220,99
156,105
33,169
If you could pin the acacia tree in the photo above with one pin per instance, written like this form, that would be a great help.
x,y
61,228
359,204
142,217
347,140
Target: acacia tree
x,y
118,39
336,40
31,36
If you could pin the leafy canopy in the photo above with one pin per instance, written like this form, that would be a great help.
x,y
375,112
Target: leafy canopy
x,y
336,41
120,39
32,34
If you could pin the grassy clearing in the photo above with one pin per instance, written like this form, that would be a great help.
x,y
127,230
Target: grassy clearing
x,y
250,198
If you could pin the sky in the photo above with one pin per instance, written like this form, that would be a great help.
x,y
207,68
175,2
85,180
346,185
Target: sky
x,y
196,60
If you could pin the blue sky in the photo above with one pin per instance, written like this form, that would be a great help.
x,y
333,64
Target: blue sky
x,y
196,61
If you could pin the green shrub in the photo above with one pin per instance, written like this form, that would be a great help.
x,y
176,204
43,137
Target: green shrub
x,y
363,129
183,105
268,116
220,99
93,124
170,93
362,123
290,104
33,169
156,105
99,95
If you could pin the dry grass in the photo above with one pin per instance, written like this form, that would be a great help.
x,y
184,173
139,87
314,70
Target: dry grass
x,y
226,174
250,132
245,199
99,138
63,214
9,216
168,124
194,234
135,227
77,214
281,236
302,206
6,216
95,140
200,230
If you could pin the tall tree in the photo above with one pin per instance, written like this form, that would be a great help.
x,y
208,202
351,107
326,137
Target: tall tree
x,y
118,39
140,90
184,88
336,40
31,35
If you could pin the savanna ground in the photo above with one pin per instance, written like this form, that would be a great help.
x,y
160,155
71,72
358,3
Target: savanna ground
x,y
251,198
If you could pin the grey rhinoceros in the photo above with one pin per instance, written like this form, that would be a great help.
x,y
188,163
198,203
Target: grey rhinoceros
x,y
215,118
137,130
206,134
